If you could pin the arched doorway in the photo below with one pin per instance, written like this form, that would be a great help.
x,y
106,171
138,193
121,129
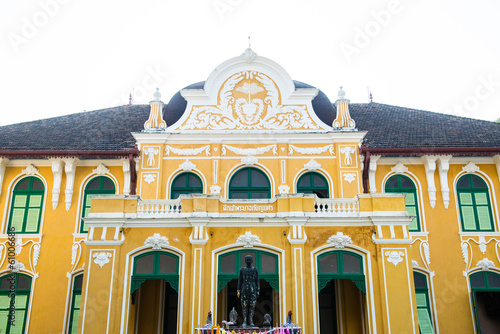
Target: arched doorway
x,y
154,290
341,293
485,286
229,265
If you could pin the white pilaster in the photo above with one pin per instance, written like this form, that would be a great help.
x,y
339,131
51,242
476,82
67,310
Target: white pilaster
x,y
372,168
3,166
430,168
126,176
69,169
57,170
443,166
496,158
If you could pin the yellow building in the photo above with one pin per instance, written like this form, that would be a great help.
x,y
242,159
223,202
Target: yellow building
x,y
361,218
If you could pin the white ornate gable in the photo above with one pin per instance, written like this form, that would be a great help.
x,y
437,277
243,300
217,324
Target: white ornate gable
x,y
244,94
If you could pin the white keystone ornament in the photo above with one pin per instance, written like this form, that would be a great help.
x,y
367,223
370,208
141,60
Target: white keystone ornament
x,y
485,264
156,241
248,240
339,240
16,266
312,165
187,166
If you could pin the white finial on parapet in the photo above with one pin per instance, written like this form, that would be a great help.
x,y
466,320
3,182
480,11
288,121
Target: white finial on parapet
x,y
249,54
343,121
157,94
155,121
341,93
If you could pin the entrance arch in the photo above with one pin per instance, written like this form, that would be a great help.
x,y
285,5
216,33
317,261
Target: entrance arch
x,y
154,288
341,293
228,268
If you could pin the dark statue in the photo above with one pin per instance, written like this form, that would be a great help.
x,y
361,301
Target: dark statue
x,y
248,291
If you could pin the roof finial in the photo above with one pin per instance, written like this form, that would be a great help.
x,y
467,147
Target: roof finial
x,y
341,93
130,98
249,55
157,94
371,97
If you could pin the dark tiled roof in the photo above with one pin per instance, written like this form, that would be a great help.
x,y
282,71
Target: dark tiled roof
x,y
388,127
101,130
397,127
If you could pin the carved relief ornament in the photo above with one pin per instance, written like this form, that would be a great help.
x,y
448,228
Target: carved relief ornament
x,y
248,240
394,257
310,150
249,100
101,258
339,240
156,241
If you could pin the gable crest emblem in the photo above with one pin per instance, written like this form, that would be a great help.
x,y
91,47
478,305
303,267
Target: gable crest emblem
x,y
249,100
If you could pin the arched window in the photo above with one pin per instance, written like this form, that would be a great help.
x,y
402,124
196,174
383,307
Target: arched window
x,y
155,265
249,183
14,290
26,208
340,265
100,185
403,184
186,183
75,304
313,183
474,203
485,286
423,303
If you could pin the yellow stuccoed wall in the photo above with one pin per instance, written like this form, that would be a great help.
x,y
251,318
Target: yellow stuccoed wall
x,y
50,284
449,291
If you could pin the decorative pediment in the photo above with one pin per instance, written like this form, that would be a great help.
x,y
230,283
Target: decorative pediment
x,y
248,93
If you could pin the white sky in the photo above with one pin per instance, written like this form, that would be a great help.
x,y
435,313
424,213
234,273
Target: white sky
x,y
66,56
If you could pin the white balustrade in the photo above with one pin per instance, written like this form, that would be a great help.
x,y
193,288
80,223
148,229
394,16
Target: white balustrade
x,y
336,207
159,208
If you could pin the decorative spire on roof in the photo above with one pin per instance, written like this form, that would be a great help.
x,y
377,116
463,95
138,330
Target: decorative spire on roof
x,y
155,122
249,54
343,122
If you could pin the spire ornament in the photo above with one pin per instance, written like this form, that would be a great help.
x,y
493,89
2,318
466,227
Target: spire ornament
x,y
155,121
343,122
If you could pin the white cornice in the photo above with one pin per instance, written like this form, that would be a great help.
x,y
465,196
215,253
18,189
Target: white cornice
x,y
305,137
